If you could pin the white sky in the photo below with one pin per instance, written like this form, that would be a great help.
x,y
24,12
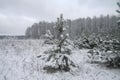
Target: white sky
x,y
17,15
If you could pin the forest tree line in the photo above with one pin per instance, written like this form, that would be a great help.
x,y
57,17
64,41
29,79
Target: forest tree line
x,y
103,25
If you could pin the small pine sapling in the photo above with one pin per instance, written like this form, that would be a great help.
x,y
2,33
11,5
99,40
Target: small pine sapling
x,y
58,58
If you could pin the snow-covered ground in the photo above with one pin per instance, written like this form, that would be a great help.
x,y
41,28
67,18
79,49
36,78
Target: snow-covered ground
x,y
18,61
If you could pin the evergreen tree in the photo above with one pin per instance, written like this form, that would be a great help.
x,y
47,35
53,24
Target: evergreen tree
x,y
58,57
118,11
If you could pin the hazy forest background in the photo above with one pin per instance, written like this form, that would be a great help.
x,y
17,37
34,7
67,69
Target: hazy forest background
x,y
103,26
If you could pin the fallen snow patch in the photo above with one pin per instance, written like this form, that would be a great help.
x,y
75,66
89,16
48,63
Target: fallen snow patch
x,y
18,61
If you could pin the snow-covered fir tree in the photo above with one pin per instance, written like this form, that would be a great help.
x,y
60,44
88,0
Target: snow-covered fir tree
x,y
58,58
118,11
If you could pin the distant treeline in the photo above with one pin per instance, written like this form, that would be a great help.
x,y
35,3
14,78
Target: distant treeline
x,y
12,37
104,25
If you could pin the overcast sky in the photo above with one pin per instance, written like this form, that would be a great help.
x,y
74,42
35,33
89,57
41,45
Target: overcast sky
x,y
17,15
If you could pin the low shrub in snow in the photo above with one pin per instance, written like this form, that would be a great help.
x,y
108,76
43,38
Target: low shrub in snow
x,y
88,42
108,52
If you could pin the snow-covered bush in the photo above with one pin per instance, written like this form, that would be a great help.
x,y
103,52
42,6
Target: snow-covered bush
x,y
108,52
81,43
57,58
94,55
88,42
113,59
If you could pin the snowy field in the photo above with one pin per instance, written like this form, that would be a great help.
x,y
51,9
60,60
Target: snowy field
x,y
18,61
